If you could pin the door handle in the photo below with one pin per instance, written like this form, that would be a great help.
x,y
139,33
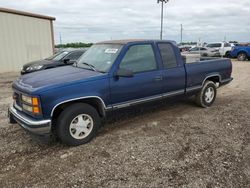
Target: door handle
x,y
158,78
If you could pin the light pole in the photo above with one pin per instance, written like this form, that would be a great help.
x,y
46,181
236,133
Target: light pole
x,y
181,33
162,1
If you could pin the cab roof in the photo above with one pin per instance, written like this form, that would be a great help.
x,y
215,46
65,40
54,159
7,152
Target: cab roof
x,y
126,41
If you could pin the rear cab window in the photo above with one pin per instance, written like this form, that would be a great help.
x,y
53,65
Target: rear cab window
x,y
168,56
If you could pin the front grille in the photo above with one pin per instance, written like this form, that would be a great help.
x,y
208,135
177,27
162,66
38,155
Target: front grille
x,y
17,100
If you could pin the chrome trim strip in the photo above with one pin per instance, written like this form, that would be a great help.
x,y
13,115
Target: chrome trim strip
x,y
142,100
109,107
189,89
26,120
173,93
212,75
74,99
136,101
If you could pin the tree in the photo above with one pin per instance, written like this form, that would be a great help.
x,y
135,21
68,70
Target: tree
x,y
74,45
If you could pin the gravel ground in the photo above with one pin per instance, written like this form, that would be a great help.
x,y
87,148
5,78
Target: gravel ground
x,y
167,145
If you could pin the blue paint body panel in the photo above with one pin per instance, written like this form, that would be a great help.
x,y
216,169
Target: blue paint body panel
x,y
55,86
239,49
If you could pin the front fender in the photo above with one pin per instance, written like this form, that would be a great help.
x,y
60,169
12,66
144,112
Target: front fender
x,y
98,89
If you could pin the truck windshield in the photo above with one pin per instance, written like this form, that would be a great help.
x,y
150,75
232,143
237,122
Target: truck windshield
x,y
100,57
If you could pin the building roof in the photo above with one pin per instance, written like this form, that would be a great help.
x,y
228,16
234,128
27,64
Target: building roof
x,y
125,41
11,11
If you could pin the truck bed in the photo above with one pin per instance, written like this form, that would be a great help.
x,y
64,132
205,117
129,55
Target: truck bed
x,y
197,72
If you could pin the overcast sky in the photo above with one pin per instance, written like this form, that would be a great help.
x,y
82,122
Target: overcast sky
x,y
95,20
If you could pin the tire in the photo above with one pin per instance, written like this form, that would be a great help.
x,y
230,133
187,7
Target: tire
x,y
206,97
242,56
228,55
73,133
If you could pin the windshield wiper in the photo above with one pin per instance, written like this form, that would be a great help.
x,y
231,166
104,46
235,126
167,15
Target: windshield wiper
x,y
89,65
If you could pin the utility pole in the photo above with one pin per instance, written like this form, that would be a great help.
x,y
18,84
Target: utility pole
x,y
60,39
162,2
225,37
181,33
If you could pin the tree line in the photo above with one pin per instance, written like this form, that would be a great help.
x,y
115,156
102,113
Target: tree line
x,y
74,45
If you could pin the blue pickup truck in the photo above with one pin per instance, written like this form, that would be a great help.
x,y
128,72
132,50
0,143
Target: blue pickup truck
x,y
71,102
242,53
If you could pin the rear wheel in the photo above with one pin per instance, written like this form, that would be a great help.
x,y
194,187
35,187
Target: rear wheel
x,y
242,56
207,95
78,124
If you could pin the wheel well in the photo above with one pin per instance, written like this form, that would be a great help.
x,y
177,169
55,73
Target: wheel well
x,y
215,79
95,102
241,52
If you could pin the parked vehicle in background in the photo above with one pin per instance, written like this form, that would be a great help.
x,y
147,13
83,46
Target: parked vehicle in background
x,y
72,101
242,53
184,48
203,51
234,44
223,47
61,58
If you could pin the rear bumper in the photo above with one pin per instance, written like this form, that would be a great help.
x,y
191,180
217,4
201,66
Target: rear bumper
x,y
226,81
38,127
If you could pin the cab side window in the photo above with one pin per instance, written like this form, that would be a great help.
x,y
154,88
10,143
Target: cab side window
x,y
167,55
139,58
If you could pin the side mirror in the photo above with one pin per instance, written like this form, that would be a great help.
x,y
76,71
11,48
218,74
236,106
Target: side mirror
x,y
124,73
66,61
69,62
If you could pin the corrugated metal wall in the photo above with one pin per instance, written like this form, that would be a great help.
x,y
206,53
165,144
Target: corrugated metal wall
x,y
23,39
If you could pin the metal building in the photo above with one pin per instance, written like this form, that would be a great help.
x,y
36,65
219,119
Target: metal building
x,y
24,37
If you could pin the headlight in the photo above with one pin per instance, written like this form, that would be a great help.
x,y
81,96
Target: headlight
x,y
27,108
26,99
30,104
34,67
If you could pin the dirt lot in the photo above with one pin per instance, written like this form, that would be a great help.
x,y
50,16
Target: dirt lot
x,y
178,145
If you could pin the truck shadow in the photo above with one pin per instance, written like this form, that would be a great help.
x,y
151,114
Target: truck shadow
x,y
130,114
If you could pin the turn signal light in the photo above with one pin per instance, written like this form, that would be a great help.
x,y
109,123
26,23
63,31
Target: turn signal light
x,y
34,101
36,110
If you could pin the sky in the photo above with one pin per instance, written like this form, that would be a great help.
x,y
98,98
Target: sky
x,y
97,20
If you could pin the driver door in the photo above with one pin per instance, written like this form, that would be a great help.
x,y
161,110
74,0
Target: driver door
x,y
146,82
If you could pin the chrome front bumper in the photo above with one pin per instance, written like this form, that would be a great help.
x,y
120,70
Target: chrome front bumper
x,y
39,127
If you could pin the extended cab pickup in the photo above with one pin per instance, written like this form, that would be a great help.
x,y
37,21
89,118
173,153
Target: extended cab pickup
x,y
71,101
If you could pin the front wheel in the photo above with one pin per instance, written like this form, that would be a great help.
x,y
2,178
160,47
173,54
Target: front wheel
x,y
228,55
206,97
77,124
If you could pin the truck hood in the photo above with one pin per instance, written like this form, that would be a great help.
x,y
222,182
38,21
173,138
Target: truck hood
x,y
51,78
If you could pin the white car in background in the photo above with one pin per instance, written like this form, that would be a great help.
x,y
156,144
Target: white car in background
x,y
203,51
223,47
